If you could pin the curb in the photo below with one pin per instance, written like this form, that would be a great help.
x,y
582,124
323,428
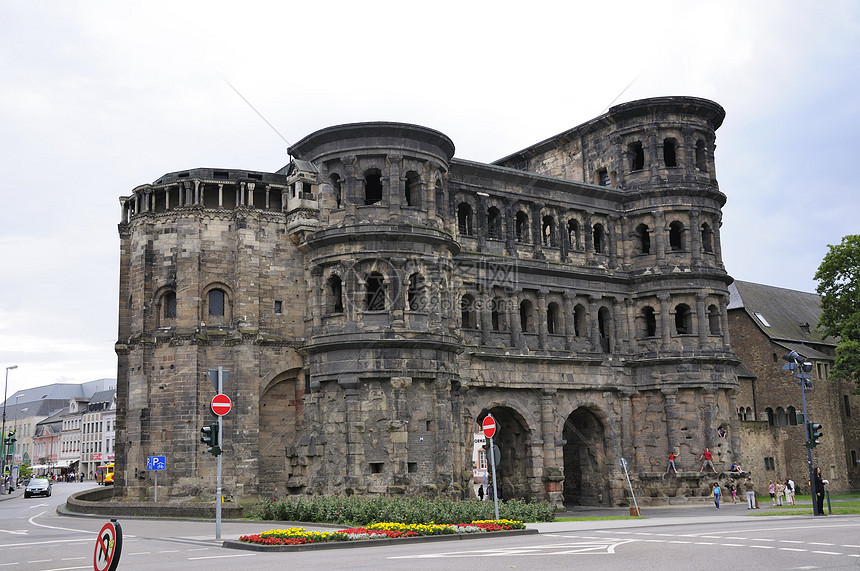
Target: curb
x,y
234,544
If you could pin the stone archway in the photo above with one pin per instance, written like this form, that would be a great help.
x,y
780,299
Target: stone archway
x,y
281,411
514,472
585,464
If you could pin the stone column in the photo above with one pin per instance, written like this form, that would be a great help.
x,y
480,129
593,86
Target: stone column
x,y
594,320
718,247
588,237
509,221
695,237
517,339
670,403
626,422
665,321
612,240
631,324
724,323
652,156
659,242
318,293
398,428
702,319
537,230
197,186
619,324
485,313
480,226
540,322
569,331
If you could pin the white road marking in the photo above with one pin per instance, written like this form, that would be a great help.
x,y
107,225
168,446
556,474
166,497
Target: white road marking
x,y
222,556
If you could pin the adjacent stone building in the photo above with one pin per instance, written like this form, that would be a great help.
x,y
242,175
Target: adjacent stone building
x,y
377,297
767,323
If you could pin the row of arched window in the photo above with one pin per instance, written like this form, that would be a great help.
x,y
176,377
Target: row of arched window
x,y
374,185
216,305
677,233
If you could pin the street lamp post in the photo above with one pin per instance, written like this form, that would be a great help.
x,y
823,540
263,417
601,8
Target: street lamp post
x,y
5,437
797,364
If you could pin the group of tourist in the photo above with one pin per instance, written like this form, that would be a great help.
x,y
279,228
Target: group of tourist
x,y
779,490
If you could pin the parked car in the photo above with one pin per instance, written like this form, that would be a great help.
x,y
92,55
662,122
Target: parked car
x,y
38,487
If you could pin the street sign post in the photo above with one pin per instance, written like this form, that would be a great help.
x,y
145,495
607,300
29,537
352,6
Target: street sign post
x,y
490,428
156,463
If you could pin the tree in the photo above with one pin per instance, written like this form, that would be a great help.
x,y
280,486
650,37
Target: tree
x,y
839,288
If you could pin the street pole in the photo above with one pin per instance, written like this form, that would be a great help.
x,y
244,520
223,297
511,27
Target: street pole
x,y
495,489
5,437
218,470
795,364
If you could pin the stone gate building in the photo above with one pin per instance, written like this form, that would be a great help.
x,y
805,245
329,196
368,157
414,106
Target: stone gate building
x,y
376,298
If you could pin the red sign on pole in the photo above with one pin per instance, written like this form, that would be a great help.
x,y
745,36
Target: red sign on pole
x,y
489,426
221,404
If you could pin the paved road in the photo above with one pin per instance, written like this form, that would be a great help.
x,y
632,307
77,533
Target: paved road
x,y
34,537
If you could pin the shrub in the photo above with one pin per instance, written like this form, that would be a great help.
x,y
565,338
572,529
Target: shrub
x,y
362,511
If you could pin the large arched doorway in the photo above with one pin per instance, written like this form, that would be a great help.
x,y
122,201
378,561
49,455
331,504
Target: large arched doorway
x,y
515,468
281,410
585,461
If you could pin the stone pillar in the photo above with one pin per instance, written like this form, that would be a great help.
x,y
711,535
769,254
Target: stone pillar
x,y
569,330
588,237
665,322
480,226
398,429
627,421
718,247
631,324
318,294
197,191
537,229
670,402
517,339
652,156
485,313
702,319
612,240
659,242
594,320
541,321
553,472
619,324
509,221
724,323
695,237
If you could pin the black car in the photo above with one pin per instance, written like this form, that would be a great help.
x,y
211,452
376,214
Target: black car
x,y
38,487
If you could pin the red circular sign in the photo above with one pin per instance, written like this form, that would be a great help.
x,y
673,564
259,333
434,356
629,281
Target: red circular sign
x,y
489,426
108,547
221,404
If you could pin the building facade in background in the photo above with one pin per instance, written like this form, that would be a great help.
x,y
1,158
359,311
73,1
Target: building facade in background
x,y
377,297
766,323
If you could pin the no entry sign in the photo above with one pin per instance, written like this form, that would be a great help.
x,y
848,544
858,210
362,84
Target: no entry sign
x,y
489,426
221,404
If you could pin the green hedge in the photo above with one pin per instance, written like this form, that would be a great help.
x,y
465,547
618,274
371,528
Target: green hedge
x,y
359,511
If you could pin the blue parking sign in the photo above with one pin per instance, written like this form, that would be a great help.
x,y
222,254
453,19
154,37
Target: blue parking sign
x,y
155,462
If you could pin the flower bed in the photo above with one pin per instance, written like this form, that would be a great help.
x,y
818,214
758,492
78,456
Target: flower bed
x,y
300,536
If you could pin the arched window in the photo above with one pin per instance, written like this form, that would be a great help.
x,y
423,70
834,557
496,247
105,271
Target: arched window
x,y
649,322
467,312
749,414
683,319
412,189
527,316
579,325
599,238
494,223
792,416
701,162
372,186
548,231
636,155
781,417
168,304
642,239
707,238
415,298
741,414
553,319
335,295
216,303
375,292
771,417
464,218
670,148
498,315
602,178
573,235
522,227
337,186
676,236
714,319
604,324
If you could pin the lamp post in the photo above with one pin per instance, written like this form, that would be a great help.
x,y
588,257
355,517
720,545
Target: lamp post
x,y
5,437
801,368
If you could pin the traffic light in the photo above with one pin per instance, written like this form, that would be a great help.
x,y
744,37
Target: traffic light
x,y
209,436
814,431
11,438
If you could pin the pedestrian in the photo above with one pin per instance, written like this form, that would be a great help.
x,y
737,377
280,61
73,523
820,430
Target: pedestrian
x,y
734,490
750,493
481,493
789,491
717,493
671,463
820,482
772,491
707,460
780,492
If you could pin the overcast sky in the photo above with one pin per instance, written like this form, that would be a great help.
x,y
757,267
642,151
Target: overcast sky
x,y
97,98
